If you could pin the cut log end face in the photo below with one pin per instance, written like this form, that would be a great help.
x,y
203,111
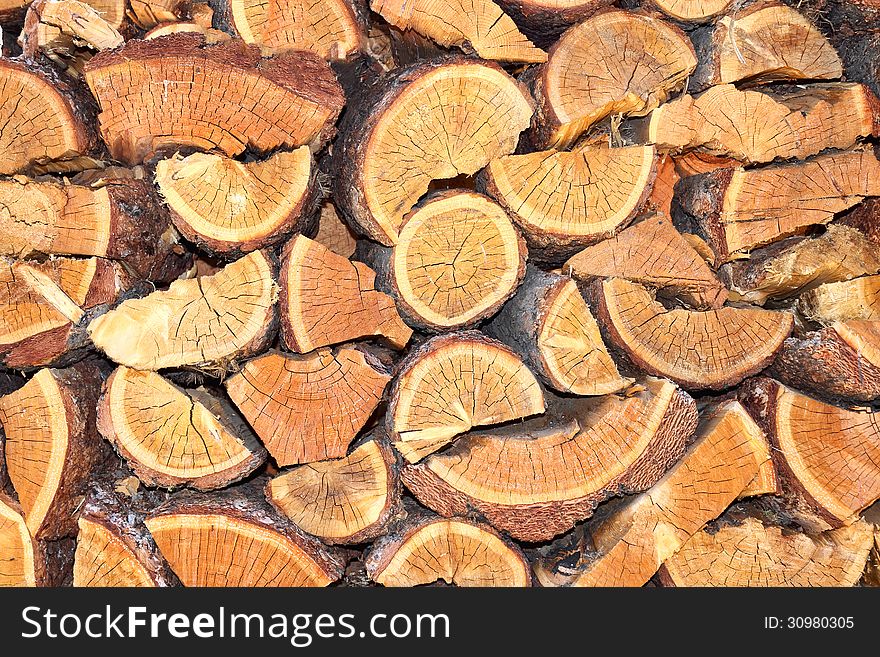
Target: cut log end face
x,y
102,559
692,10
20,564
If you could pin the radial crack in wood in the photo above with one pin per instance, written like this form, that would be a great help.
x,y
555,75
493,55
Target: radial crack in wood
x,y
842,301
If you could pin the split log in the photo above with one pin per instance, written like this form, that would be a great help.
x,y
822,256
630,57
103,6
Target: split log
x,y
536,479
663,190
435,120
327,300
690,10
149,13
751,554
309,408
210,35
455,382
205,322
12,11
764,42
736,210
230,207
548,324
333,233
22,562
842,301
350,500
152,99
543,21
478,27
234,538
616,62
699,350
652,253
173,437
566,200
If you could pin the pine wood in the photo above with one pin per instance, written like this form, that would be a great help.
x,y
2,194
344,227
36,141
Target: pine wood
x,y
205,322
700,350
22,563
309,408
548,324
149,13
347,500
663,189
164,29
616,62
151,101
333,233
692,11
536,479
842,301
435,120
543,21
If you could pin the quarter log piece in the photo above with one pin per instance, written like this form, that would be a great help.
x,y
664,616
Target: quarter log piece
x,y
429,549
760,125
234,538
333,233
205,322
178,91
52,446
436,120
173,437
327,300
536,479
751,554
736,210
655,254
691,11
455,382
22,562
700,350
231,207
348,500
764,42
548,324
309,408
842,301
616,62
826,456
566,200
841,361
544,20
478,27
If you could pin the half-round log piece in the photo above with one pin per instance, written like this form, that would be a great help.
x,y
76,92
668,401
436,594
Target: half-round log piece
x,y
765,42
235,539
349,500
173,437
204,322
478,27
326,300
536,479
459,552
178,91
617,62
548,324
736,210
566,200
760,125
842,301
232,207
309,408
435,120
700,350
453,383
52,446
333,233
655,254
544,20
753,555
21,561
840,362
695,11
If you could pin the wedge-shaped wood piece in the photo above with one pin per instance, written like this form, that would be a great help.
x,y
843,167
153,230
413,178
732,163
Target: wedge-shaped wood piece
x,y
700,350
842,301
230,207
479,27
751,554
455,382
544,20
566,200
536,479
549,325
234,538
177,91
309,408
736,210
461,552
841,361
205,322
435,120
617,62
52,446
760,125
655,254
696,11
22,562
333,233
347,500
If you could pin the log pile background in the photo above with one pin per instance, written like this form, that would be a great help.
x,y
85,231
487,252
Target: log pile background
x,y
571,293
